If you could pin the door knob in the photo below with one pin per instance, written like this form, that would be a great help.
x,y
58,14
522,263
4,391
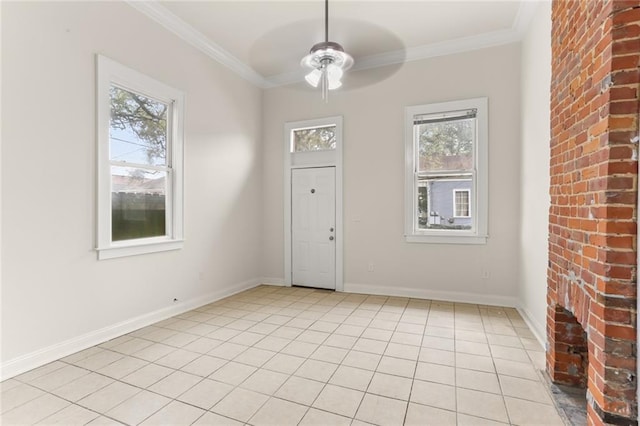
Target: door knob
x,y
331,238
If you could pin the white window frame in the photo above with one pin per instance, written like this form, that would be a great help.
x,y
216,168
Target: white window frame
x,y
455,191
110,72
479,200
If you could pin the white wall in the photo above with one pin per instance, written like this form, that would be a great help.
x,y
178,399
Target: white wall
x,y
374,177
534,186
55,295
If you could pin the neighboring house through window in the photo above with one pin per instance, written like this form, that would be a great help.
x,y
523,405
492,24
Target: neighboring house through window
x,y
446,190
140,144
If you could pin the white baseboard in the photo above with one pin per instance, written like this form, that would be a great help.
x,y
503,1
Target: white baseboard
x,y
538,330
26,362
422,293
51,353
272,281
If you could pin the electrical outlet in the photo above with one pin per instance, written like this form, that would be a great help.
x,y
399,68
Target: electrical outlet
x,y
486,274
370,266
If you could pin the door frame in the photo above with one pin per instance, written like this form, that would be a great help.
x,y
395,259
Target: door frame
x,y
314,160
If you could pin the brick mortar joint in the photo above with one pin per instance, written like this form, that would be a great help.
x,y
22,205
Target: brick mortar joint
x,y
619,11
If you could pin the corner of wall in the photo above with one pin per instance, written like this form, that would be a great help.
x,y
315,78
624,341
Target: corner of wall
x,y
534,171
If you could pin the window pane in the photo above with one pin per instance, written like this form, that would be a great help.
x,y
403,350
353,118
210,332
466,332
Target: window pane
x,y
316,139
436,202
138,203
446,145
423,207
462,203
138,128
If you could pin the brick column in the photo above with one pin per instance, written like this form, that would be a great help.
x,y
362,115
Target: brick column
x,y
592,220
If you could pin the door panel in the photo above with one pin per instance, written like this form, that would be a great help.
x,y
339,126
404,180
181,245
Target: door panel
x,y
313,212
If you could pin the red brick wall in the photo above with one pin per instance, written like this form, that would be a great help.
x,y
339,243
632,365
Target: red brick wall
x,y
595,106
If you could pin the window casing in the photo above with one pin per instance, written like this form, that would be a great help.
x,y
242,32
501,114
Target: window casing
x,y
140,162
446,176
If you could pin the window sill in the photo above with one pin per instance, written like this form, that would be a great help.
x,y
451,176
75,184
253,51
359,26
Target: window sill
x,y
138,248
446,239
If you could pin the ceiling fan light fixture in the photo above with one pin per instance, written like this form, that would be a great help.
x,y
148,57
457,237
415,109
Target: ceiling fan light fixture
x,y
328,61
334,75
327,51
313,78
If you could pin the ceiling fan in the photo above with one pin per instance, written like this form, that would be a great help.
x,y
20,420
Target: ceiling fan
x,y
327,61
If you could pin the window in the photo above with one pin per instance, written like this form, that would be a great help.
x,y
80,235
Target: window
x,y
314,139
446,172
313,143
139,163
461,203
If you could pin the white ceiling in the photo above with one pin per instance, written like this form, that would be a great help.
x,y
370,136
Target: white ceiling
x,y
264,40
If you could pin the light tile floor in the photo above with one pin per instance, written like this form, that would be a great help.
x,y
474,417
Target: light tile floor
x,y
292,356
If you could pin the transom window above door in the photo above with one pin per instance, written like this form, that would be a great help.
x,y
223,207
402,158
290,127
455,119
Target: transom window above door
x,y
313,143
313,139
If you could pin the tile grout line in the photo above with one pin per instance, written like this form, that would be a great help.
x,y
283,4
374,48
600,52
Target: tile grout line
x,y
279,352
413,378
495,367
329,379
377,366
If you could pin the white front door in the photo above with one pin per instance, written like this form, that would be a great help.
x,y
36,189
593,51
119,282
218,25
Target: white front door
x,y
313,224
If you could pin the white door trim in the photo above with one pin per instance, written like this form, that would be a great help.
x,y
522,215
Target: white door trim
x,y
324,159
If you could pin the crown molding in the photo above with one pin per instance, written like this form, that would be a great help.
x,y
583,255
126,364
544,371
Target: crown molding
x,y
525,14
286,78
170,21
166,18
